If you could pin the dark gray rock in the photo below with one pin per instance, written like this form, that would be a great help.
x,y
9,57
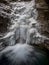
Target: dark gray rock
x,y
5,18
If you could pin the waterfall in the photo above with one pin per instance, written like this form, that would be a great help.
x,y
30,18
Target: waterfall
x,y
25,27
22,12
16,44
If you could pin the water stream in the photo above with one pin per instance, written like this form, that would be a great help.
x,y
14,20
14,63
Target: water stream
x,y
24,29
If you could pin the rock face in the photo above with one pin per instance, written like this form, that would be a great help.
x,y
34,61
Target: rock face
x,y
5,19
3,24
43,17
47,1
5,11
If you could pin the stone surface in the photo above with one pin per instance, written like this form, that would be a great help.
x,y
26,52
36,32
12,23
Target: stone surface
x,y
43,18
4,17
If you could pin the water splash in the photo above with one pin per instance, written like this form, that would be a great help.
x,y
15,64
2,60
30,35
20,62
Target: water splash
x,y
25,27
22,54
24,31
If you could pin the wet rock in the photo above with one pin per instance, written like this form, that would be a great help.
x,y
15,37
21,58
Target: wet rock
x,y
5,17
43,18
4,23
47,1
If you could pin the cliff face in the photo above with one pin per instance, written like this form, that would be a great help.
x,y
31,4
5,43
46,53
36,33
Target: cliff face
x,y
5,11
43,18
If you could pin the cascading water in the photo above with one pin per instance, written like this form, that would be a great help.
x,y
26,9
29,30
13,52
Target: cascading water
x,y
22,17
24,28
22,12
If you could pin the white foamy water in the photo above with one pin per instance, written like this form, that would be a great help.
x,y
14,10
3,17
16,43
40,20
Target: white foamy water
x,y
23,31
25,26
21,54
